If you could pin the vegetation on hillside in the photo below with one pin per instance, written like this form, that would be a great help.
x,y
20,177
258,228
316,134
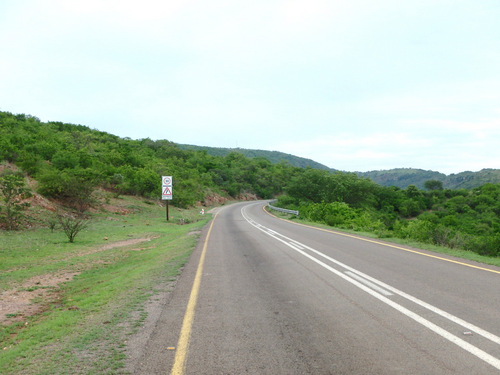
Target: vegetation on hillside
x,y
274,157
462,219
69,162
404,177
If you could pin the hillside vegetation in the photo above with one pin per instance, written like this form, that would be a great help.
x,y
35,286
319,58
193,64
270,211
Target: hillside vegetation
x,y
71,162
404,177
460,219
274,157
399,177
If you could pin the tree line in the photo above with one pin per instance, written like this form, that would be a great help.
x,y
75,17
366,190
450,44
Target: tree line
x,y
466,219
69,162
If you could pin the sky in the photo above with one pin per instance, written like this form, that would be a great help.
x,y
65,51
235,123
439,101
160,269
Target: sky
x,y
356,85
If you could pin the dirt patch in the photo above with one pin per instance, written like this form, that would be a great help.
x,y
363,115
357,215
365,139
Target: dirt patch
x,y
31,297
39,201
113,245
247,197
213,199
9,166
35,294
115,209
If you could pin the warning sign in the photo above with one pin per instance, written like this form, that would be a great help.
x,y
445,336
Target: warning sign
x,y
166,187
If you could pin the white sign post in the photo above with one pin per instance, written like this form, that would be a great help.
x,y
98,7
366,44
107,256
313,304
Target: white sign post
x,y
166,189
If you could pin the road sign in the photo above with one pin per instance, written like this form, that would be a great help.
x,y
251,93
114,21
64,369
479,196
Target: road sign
x,y
166,180
166,192
166,187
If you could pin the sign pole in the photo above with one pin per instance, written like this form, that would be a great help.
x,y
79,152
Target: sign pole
x,y
167,210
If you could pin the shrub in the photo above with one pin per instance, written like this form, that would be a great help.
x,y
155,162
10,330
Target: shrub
x,y
76,191
14,191
73,224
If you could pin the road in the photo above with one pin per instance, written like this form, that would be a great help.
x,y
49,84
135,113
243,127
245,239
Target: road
x,y
261,295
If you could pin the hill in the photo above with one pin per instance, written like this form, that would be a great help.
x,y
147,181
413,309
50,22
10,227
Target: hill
x,y
403,177
400,177
64,156
70,162
274,157
469,180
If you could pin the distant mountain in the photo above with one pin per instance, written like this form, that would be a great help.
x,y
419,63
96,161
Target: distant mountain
x,y
468,180
274,157
403,177
400,177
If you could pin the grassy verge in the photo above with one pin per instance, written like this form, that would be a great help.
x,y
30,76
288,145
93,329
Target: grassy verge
x,y
464,254
88,296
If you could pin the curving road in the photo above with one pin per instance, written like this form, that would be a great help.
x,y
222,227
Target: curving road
x,y
262,295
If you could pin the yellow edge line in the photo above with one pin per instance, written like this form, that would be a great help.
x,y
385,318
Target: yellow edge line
x,y
187,324
384,244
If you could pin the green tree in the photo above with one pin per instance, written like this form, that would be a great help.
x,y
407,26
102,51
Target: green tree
x,y
73,187
433,185
309,186
14,191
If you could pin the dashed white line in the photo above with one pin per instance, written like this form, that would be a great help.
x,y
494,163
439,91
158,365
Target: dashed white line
x,y
369,284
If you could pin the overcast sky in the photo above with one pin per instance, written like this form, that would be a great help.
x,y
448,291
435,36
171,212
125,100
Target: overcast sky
x,y
356,85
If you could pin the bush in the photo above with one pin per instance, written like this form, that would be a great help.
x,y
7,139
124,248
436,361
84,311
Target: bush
x,y
74,190
418,230
72,225
53,183
333,214
484,245
14,191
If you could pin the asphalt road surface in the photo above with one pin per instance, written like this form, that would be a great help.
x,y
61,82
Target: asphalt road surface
x,y
261,295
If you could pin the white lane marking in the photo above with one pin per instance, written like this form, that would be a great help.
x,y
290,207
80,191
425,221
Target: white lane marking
x,y
444,314
369,284
486,357
296,244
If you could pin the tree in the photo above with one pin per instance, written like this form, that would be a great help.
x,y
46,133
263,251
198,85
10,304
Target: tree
x,y
72,225
433,185
310,186
14,191
73,187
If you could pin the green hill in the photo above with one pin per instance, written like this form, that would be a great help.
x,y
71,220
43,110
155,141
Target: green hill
x,y
403,177
274,157
469,180
400,177
58,155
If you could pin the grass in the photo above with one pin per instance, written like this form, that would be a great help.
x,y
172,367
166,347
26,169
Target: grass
x,y
464,254
81,324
